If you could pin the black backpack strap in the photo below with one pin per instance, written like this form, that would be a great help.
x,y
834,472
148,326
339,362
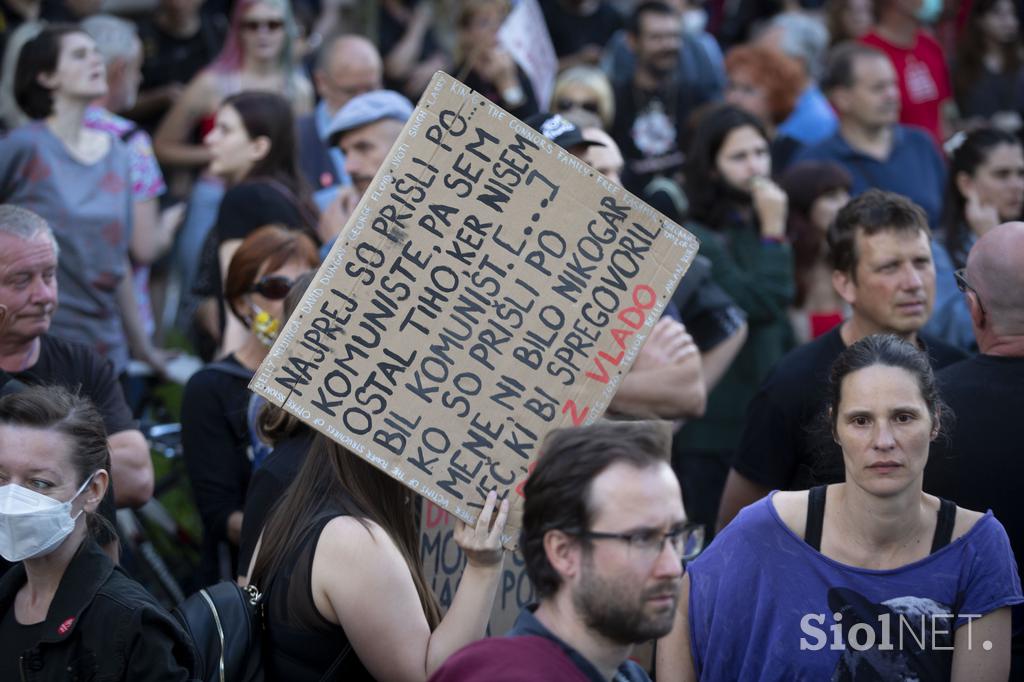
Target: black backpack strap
x,y
815,516
944,527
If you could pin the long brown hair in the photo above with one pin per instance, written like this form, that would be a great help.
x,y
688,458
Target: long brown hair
x,y
334,478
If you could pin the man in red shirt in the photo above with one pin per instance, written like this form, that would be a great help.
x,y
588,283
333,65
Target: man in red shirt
x,y
924,82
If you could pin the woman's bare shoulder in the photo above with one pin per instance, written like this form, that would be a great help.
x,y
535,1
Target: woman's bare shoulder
x,y
791,506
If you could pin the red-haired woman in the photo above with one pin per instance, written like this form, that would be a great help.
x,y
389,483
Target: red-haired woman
x,y
219,442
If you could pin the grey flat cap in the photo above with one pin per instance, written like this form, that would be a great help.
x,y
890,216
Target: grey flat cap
x,y
368,108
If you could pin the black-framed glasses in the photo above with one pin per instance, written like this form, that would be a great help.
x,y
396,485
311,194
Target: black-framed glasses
x,y
274,287
964,286
686,541
254,25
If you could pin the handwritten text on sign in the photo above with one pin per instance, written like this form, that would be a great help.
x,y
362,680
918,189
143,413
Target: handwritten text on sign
x,y
488,288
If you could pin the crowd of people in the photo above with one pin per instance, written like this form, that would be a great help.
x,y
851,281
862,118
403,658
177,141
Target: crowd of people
x,y
830,487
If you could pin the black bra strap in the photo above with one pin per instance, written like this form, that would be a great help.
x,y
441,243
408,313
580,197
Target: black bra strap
x,y
944,526
815,516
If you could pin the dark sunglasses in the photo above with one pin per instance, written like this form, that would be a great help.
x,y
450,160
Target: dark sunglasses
x,y
563,105
274,287
255,25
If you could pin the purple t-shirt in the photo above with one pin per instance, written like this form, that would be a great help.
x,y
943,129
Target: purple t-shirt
x,y
763,605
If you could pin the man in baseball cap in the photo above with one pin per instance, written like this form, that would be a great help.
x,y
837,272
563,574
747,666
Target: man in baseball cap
x,y
365,129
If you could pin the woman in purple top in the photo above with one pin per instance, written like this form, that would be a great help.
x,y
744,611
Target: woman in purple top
x,y
871,579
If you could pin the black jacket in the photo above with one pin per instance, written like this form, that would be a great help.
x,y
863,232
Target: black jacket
x,y
102,626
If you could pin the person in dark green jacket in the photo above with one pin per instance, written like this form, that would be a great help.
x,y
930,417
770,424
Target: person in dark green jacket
x,y
739,215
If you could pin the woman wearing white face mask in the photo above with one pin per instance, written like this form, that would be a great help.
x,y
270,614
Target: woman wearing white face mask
x,y
218,413
66,611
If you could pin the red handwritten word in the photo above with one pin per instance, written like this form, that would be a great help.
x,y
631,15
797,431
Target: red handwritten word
x,y
436,516
633,318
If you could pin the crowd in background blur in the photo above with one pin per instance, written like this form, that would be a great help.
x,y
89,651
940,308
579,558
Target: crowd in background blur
x,y
192,160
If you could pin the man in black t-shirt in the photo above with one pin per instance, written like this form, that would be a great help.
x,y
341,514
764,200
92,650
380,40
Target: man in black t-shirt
x,y
28,293
981,463
653,106
880,251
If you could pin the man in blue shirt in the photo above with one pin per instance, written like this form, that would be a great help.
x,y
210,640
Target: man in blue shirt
x,y
877,151
346,66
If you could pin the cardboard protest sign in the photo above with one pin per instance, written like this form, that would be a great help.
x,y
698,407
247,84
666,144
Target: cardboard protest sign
x,y
444,562
488,288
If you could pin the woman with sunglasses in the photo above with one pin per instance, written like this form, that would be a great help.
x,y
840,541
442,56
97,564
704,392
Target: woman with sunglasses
x,y
221,443
252,148
985,188
586,88
871,578
257,56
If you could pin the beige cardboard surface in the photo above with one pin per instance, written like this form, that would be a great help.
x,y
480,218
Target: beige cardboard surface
x,y
489,288
443,563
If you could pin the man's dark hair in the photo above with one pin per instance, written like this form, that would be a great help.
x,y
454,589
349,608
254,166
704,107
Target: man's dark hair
x,y
840,63
872,212
38,56
649,7
558,490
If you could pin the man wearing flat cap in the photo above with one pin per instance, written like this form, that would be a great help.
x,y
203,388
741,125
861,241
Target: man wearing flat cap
x,y
364,129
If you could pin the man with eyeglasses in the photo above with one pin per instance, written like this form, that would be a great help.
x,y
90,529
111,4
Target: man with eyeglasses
x,y
979,465
346,66
882,267
604,537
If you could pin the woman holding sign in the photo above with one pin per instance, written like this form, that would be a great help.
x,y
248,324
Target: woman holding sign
x,y
346,595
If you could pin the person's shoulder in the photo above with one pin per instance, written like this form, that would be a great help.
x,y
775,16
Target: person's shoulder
x,y
65,358
805,364
917,139
927,42
791,508
508,659
345,536
753,524
827,149
966,520
215,376
24,136
940,353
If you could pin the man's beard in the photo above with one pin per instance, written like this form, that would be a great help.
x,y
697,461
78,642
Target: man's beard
x,y
616,610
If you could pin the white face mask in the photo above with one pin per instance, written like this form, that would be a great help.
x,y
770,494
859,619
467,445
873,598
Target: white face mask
x,y
32,524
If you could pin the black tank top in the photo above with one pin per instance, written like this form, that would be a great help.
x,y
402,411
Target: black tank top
x,y
302,645
816,520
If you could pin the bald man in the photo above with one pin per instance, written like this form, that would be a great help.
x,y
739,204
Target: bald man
x,y
346,66
981,464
